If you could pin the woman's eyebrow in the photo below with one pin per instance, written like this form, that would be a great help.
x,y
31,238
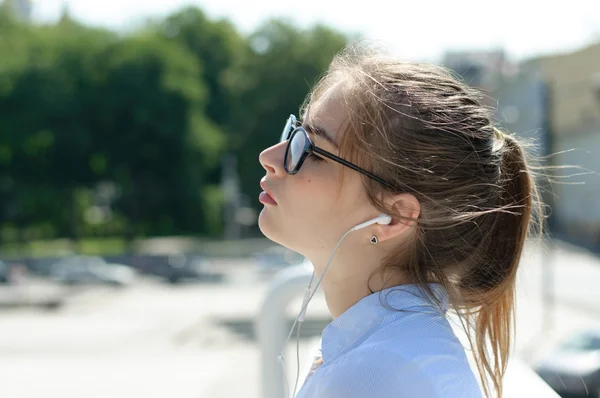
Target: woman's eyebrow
x,y
320,132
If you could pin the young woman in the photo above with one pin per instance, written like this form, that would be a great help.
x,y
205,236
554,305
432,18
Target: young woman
x,y
380,136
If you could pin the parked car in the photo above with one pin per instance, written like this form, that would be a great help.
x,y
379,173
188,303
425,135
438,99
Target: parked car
x,y
4,270
191,267
91,270
276,258
573,368
178,267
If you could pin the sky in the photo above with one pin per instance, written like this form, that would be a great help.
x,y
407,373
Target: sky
x,y
418,29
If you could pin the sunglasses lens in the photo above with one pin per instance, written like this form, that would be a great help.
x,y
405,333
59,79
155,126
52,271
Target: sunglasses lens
x,y
285,134
296,148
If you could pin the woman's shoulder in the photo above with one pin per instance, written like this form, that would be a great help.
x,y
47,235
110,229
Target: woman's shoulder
x,y
430,353
409,334
375,370
424,358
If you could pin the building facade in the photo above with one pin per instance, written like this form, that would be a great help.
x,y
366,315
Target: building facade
x,y
554,103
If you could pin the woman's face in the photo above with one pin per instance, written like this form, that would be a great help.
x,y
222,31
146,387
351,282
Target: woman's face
x,y
316,206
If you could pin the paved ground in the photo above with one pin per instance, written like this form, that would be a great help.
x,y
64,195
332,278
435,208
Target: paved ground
x,y
197,340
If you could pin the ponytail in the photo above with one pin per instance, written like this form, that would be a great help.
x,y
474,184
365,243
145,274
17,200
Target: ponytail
x,y
490,287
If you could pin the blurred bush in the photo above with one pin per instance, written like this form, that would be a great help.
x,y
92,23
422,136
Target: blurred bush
x,y
106,134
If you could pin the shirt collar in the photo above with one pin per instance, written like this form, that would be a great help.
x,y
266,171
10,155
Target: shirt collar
x,y
370,311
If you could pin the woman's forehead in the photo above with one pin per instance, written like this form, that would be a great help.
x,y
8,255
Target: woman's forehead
x,y
327,111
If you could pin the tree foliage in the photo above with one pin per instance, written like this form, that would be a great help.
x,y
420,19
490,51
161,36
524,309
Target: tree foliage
x,y
150,113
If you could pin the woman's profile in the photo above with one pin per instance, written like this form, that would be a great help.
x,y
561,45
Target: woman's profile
x,y
439,202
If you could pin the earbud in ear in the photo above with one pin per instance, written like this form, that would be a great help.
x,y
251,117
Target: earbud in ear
x,y
382,219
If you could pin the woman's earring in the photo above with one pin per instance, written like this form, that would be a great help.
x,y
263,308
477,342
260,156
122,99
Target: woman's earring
x,y
374,240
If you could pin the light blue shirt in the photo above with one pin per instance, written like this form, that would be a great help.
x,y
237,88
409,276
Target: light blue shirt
x,y
377,352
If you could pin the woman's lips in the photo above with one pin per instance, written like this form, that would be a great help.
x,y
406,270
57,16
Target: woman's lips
x,y
265,196
266,199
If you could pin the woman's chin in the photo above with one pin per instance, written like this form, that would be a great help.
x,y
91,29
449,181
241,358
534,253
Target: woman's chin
x,y
273,231
265,224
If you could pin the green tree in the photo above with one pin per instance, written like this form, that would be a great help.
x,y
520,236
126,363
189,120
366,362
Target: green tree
x,y
216,44
152,111
46,138
153,138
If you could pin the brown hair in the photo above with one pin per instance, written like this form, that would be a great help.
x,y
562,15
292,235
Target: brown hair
x,y
420,128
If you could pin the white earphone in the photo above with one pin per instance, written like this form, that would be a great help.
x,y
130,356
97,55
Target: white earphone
x,y
381,219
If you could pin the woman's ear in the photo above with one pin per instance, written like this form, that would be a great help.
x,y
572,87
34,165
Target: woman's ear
x,y
406,210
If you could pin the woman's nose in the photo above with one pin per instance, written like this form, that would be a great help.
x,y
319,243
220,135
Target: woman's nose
x,y
272,159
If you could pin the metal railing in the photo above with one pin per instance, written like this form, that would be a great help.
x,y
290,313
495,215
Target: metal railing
x,y
272,325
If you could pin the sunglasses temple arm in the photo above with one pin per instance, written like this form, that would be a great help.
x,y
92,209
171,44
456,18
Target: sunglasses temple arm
x,y
350,165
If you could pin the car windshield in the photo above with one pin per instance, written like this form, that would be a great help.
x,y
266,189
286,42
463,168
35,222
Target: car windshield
x,y
582,342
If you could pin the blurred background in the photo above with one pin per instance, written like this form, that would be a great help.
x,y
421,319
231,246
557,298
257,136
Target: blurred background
x,y
131,263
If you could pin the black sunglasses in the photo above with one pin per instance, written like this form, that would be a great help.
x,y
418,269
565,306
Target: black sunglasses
x,y
300,146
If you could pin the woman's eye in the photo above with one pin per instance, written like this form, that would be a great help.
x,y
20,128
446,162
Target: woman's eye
x,y
316,158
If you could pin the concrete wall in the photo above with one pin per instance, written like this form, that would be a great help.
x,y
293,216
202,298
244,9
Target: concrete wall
x,y
571,114
572,78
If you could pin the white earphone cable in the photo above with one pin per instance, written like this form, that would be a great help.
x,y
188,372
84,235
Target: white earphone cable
x,y
308,295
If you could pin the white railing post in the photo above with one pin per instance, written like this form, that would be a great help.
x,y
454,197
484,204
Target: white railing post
x,y
271,325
